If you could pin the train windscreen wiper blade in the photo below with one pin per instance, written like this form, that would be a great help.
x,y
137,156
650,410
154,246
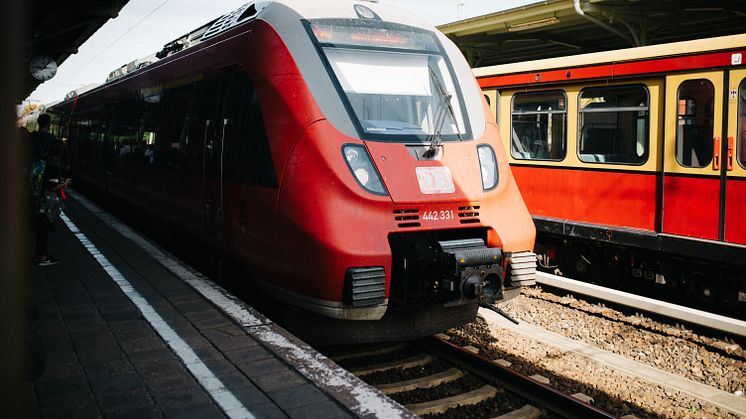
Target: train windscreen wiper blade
x,y
440,114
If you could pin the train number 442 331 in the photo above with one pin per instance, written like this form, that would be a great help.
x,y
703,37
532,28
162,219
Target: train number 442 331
x,y
438,215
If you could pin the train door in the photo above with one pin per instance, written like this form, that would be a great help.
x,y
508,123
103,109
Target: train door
x,y
692,158
212,128
220,169
734,159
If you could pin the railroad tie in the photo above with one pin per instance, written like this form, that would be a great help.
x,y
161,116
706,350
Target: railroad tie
x,y
413,361
433,380
371,352
526,412
441,405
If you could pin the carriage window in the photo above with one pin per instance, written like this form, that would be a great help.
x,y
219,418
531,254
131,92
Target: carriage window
x,y
741,147
176,126
539,126
614,125
694,119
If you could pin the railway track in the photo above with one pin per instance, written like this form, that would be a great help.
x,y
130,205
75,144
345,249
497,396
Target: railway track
x,y
436,378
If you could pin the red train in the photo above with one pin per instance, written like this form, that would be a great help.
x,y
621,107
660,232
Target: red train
x,y
633,164
340,150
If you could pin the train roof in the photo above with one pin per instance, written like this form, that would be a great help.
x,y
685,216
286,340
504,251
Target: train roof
x,y
250,11
620,55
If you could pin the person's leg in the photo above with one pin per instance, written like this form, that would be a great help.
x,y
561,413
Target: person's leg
x,y
42,239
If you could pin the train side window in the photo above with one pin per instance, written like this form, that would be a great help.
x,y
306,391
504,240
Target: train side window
x,y
741,148
694,123
614,124
539,126
124,133
175,126
247,149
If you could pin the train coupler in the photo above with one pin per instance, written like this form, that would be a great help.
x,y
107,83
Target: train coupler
x,y
470,271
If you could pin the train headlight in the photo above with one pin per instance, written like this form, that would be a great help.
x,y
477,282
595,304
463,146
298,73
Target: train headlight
x,y
487,166
362,168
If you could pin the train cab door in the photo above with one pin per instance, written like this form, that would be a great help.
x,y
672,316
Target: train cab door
x,y
693,155
734,159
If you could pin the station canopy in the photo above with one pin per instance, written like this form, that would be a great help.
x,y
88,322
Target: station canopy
x,y
556,28
57,29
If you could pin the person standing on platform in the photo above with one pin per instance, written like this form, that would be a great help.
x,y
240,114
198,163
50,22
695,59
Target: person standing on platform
x,y
42,138
49,203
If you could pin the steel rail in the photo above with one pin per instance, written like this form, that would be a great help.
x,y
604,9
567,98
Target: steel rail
x,y
553,399
685,314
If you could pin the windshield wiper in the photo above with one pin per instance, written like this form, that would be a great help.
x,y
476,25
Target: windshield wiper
x,y
440,115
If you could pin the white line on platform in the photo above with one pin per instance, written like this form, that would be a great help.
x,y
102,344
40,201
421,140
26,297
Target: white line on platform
x,y
698,317
699,391
230,405
367,401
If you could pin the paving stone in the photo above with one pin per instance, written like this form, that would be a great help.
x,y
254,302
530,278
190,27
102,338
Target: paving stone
x,y
326,410
215,322
62,386
127,314
154,359
234,343
208,353
61,369
91,412
143,344
250,395
136,412
247,355
298,396
261,367
87,309
85,325
124,400
115,383
278,381
169,380
76,401
267,411
132,329
228,373
181,399
206,410
193,306
102,367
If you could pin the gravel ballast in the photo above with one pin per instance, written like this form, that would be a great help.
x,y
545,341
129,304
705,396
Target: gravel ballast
x,y
612,390
669,348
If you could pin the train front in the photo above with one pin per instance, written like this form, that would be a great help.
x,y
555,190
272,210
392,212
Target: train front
x,y
397,206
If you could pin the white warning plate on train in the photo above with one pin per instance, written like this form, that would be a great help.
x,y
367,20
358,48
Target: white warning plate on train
x,y
434,180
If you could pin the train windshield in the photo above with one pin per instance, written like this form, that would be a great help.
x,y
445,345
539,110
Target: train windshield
x,y
397,81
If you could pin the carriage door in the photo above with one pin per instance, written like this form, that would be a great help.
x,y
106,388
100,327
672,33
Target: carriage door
x,y
693,155
209,123
735,160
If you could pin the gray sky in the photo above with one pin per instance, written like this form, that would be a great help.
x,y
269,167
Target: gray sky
x,y
144,26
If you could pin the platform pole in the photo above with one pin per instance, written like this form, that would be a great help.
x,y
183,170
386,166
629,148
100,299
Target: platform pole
x,y
16,391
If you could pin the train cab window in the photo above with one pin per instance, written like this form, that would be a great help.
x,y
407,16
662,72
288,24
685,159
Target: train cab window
x,y
415,95
741,147
614,124
539,126
694,116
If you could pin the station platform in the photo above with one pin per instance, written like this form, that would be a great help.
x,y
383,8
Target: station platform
x,y
130,331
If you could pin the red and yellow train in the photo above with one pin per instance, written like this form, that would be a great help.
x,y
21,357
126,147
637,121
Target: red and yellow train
x,y
633,164
340,150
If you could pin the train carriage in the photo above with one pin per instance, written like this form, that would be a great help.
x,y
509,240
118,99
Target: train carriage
x,y
340,150
633,164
